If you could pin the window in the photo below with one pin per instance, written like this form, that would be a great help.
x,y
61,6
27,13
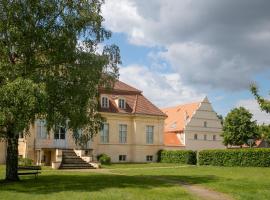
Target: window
x,y
104,133
42,129
205,137
205,124
195,137
122,157
149,158
214,137
122,103
60,133
104,102
149,134
122,133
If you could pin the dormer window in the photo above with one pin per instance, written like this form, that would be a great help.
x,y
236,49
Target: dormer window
x,y
122,103
104,102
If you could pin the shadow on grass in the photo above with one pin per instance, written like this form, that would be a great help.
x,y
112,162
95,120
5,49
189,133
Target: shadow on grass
x,y
94,182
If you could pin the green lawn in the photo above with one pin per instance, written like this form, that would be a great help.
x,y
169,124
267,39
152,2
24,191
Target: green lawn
x,y
140,181
240,183
53,184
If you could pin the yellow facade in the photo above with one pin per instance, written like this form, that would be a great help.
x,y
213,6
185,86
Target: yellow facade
x,y
136,148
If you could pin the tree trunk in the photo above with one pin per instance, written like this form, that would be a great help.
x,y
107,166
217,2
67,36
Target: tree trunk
x,y
12,158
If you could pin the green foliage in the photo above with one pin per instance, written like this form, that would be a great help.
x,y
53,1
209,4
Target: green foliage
x,y
264,132
178,156
52,45
236,157
25,162
238,127
50,67
104,159
264,103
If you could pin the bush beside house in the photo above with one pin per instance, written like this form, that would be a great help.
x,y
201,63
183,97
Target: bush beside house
x,y
235,157
104,159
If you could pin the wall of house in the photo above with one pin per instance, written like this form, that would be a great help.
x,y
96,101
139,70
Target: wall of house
x,y
205,113
2,153
136,148
30,144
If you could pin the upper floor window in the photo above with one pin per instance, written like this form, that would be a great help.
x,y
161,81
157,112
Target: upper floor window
x,y
122,103
122,133
214,137
205,124
195,137
104,102
149,134
42,132
60,133
104,133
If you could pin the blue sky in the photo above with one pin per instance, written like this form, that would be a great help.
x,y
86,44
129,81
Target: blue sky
x,y
180,51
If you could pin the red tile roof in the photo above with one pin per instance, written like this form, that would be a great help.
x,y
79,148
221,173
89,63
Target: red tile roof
x,y
171,139
136,103
178,115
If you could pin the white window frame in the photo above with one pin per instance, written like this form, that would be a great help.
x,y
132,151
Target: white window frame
x,y
122,158
149,134
149,158
122,133
60,133
105,133
122,103
104,102
42,132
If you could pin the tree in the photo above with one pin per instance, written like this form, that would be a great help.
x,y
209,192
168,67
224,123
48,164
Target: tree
x,y
238,127
50,68
264,103
264,132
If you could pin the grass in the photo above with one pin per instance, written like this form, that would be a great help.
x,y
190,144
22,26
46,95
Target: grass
x,y
53,184
248,183
140,181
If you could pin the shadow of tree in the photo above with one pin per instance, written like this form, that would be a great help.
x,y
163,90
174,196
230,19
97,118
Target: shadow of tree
x,y
95,182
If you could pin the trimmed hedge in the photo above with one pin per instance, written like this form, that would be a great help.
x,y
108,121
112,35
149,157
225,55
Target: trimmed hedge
x,y
235,157
177,156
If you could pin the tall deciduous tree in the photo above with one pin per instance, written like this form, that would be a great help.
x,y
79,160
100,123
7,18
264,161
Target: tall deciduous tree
x,y
264,103
50,68
239,127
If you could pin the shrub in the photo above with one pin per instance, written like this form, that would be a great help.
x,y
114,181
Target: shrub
x,y
104,159
236,157
25,161
178,156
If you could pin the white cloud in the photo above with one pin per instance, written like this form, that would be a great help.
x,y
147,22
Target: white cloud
x,y
253,107
163,90
209,43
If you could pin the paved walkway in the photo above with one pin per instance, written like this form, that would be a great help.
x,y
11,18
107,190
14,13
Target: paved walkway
x,y
196,190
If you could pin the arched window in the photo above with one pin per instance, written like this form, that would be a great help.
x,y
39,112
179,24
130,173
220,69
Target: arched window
x,y
195,137
214,137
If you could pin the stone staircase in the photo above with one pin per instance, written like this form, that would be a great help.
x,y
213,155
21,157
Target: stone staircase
x,y
71,161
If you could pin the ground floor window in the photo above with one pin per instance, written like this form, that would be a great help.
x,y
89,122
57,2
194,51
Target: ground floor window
x,y
149,158
122,157
214,137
